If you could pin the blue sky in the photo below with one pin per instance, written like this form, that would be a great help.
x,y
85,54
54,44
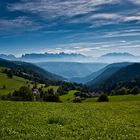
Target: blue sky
x,y
90,27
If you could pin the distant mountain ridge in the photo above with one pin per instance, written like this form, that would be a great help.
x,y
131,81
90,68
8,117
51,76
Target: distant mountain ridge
x,y
118,55
48,55
8,57
43,57
73,57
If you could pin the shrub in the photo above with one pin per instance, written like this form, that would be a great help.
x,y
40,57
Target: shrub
x,y
121,91
9,74
51,98
103,98
135,91
77,100
56,120
23,94
4,87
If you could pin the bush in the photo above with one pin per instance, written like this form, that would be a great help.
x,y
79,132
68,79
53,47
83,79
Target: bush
x,y
23,94
4,87
103,98
77,100
51,98
121,91
9,74
135,91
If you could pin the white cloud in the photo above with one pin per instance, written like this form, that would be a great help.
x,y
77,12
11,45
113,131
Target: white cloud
x,y
18,24
111,16
65,11
135,1
132,18
58,8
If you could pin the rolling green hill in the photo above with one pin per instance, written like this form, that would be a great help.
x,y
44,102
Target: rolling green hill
x,y
127,77
34,71
68,97
105,73
129,72
10,84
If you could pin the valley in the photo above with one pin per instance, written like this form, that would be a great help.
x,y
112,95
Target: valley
x,y
69,69
40,104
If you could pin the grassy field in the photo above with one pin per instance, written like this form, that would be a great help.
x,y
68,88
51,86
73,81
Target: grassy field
x,y
11,84
119,98
117,120
15,83
68,97
55,88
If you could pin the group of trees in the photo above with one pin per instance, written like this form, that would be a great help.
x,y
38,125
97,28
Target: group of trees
x,y
64,87
124,91
28,94
9,73
119,88
27,74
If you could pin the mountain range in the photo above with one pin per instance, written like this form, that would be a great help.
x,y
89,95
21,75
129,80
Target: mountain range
x,y
118,57
45,57
73,57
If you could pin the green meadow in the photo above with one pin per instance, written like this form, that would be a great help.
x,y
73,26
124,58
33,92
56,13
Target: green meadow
x,y
118,119
68,97
10,84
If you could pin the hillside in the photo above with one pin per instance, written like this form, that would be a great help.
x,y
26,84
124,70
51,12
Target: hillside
x,y
104,72
128,77
10,84
125,77
71,69
103,76
127,73
31,69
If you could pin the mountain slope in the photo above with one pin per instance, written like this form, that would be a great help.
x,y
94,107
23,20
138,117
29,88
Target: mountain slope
x,y
30,68
125,74
126,77
107,71
10,84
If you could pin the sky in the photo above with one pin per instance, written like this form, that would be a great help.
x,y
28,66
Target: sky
x,y
89,27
